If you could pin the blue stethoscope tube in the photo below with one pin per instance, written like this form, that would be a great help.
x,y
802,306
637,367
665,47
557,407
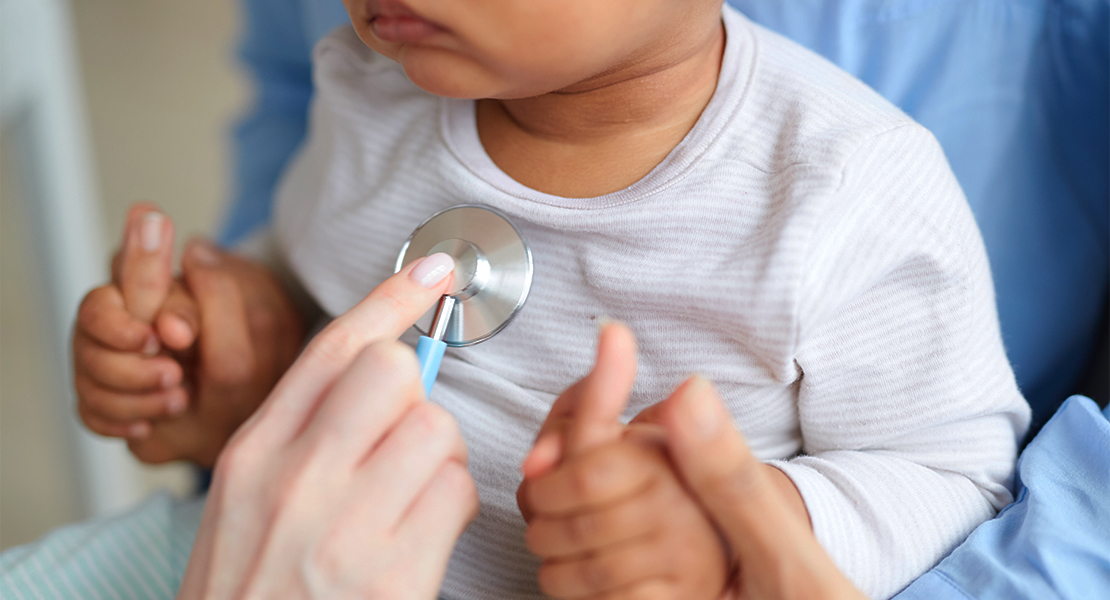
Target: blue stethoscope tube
x,y
429,350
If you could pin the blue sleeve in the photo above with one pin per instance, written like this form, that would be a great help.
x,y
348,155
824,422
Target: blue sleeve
x,y
1018,94
277,55
1052,542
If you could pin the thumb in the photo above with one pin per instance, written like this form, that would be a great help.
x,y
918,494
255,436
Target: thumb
x,y
146,261
587,414
223,335
713,459
605,391
775,550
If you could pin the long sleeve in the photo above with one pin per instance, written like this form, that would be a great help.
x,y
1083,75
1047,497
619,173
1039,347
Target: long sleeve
x,y
277,55
908,408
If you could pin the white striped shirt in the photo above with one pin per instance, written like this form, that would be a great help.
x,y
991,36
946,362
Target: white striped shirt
x,y
806,247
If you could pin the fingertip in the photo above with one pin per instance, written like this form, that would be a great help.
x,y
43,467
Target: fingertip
x,y
147,229
432,270
151,346
138,431
697,408
606,391
544,455
151,231
171,377
176,404
175,332
616,337
201,253
139,209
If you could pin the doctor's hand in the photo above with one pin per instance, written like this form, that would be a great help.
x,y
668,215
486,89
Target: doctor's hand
x,y
172,365
345,483
604,508
774,552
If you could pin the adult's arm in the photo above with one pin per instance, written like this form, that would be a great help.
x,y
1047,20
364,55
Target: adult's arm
x,y
775,555
276,52
1018,94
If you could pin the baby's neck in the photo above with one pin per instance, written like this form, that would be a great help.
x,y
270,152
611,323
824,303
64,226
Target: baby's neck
x,y
605,134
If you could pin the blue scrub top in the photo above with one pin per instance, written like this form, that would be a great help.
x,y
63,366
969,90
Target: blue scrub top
x,y
1016,91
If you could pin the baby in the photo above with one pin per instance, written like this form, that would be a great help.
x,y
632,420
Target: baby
x,y
754,215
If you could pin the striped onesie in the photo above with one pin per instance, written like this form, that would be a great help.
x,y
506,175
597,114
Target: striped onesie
x,y
805,247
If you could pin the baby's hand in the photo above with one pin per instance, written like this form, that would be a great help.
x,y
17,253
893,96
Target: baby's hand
x,y
616,522
177,366
122,382
611,519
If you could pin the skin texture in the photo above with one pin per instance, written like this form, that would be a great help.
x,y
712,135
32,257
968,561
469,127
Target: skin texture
x,y
345,483
775,554
175,366
577,98
594,510
749,506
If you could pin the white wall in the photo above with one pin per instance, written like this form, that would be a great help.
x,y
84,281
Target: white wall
x,y
162,88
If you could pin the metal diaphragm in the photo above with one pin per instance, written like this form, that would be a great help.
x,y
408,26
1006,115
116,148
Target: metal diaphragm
x,y
493,270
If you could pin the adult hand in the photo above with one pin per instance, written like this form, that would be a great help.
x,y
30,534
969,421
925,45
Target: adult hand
x,y
775,553
611,519
176,366
234,332
345,483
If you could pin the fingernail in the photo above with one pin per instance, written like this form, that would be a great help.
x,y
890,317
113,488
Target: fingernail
x,y
602,321
432,269
139,430
204,253
175,405
150,231
152,346
168,380
706,417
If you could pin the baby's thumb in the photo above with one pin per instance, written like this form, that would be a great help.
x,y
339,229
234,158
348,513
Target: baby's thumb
x,y
146,261
605,391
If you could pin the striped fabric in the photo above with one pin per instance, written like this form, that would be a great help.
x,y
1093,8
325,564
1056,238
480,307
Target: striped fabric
x,y
137,555
806,247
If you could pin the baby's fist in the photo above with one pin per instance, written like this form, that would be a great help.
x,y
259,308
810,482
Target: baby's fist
x,y
604,509
121,381
615,522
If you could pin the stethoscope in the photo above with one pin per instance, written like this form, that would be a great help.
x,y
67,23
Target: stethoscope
x,y
493,273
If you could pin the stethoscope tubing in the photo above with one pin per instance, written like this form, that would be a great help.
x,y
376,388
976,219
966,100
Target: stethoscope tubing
x,y
429,350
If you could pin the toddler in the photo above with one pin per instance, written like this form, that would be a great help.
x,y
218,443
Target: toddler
x,y
754,214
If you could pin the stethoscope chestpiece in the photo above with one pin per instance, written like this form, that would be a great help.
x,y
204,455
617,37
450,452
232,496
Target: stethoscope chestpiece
x,y
492,277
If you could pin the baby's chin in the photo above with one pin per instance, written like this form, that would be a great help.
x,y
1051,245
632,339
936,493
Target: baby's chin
x,y
447,74
450,81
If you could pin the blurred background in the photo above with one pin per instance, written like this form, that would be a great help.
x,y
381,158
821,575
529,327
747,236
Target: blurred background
x,y
155,87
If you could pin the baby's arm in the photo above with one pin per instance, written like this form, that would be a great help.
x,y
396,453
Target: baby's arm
x,y
611,519
908,409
